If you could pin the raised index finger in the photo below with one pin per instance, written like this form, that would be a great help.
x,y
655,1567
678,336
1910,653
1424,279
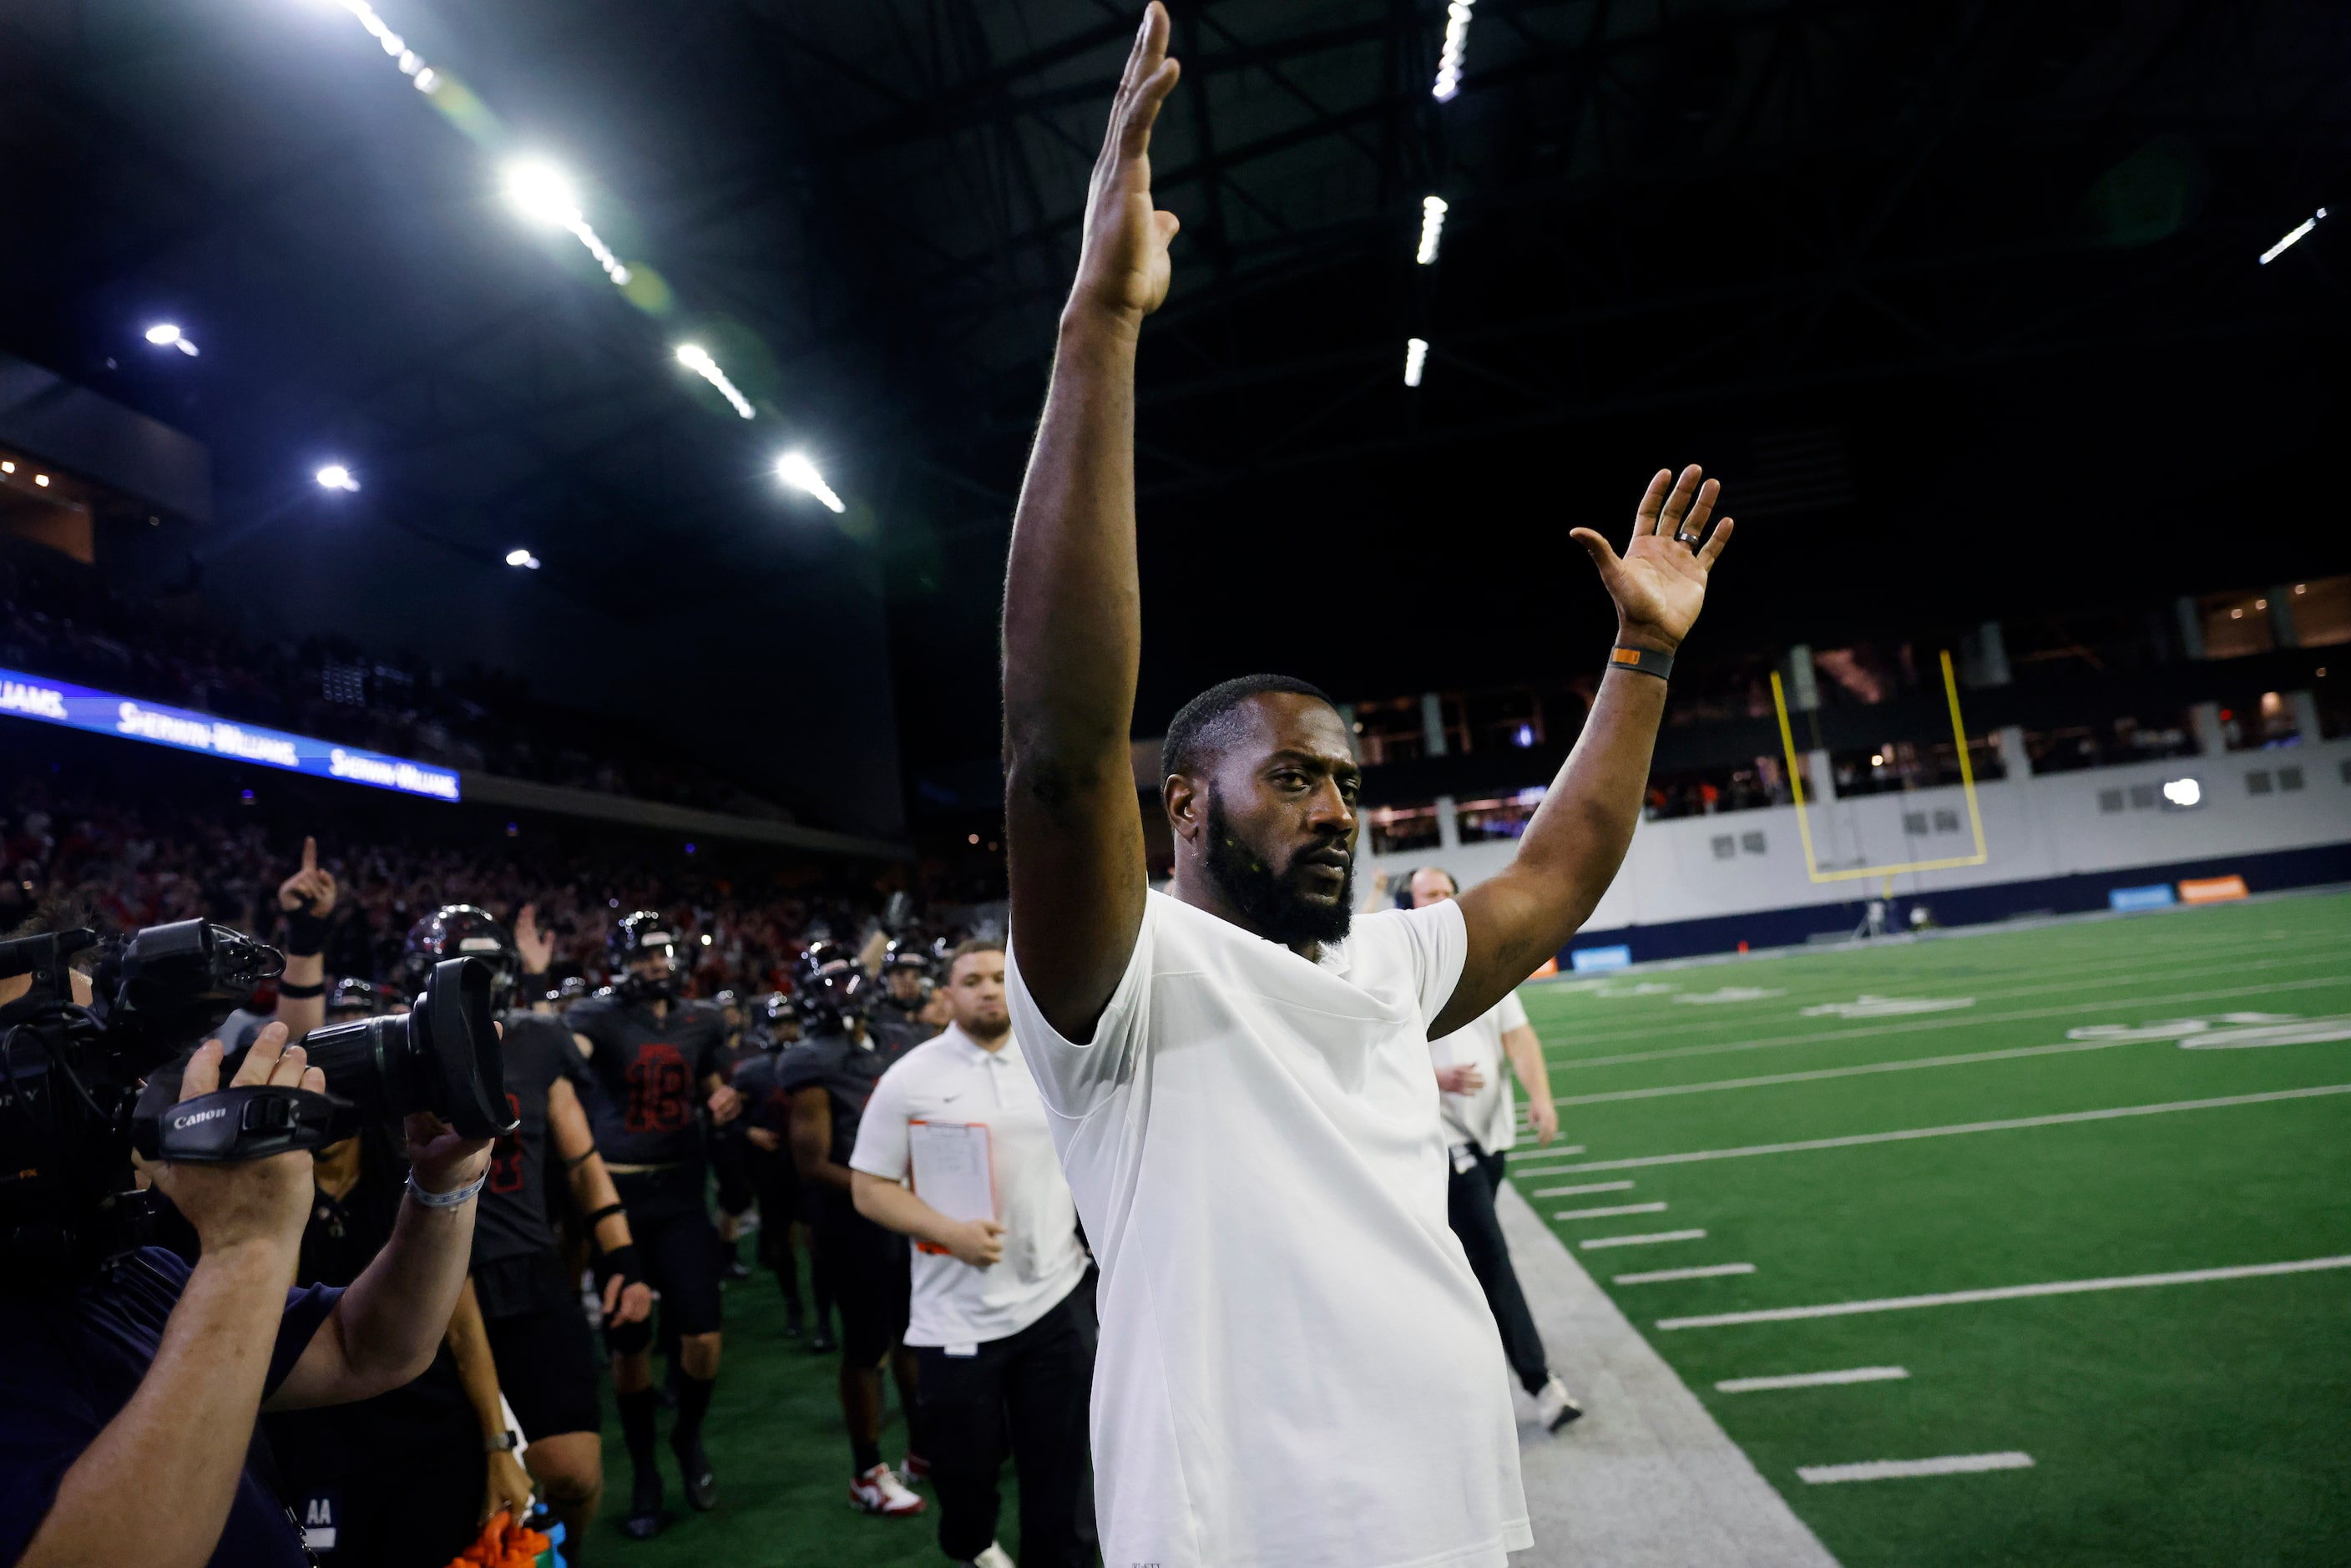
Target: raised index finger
x,y
1653,501
310,856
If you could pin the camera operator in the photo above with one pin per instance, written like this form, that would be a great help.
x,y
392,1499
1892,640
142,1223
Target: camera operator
x,y
128,1398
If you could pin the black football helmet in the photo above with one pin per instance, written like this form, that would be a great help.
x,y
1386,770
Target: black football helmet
x,y
635,937
461,930
828,989
353,998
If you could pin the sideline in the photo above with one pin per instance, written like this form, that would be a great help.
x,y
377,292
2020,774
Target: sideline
x,y
1647,1478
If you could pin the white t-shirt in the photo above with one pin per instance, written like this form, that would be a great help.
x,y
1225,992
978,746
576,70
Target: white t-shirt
x,y
951,1079
1488,1117
1297,1368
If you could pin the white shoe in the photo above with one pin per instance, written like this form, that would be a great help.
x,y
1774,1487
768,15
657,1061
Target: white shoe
x,y
880,1491
993,1557
1554,1406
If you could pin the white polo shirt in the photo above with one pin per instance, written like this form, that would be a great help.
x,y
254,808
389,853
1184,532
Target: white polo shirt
x,y
1490,1116
951,1079
1297,1368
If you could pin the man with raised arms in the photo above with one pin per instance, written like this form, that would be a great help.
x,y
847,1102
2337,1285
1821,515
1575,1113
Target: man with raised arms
x,y
1297,1367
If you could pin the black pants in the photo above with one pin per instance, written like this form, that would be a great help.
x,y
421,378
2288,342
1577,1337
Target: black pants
x,y
1033,1388
1469,1207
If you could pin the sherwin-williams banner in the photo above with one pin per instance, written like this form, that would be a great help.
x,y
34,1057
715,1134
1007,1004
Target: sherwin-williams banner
x,y
104,713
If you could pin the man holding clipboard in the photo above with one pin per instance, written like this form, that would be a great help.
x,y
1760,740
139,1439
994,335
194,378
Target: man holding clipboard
x,y
1003,1320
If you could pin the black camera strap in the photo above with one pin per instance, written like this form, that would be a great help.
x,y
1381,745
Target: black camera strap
x,y
247,1123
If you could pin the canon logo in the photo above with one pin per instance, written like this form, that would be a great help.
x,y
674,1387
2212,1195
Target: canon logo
x,y
181,1124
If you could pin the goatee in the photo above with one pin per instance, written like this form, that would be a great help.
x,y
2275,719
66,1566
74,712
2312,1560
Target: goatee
x,y
1265,899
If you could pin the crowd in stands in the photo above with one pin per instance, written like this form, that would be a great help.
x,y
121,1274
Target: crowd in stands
x,y
64,621
141,861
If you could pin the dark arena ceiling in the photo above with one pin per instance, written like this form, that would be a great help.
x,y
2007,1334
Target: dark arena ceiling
x,y
1961,301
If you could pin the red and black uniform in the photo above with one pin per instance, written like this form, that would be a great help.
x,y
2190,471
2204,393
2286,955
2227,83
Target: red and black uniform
x,y
538,1336
865,1265
646,1074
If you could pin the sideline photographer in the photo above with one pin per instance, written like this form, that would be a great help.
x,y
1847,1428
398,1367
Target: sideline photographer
x,y
129,1389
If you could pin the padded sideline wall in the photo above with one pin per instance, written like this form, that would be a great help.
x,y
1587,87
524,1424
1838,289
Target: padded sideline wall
x,y
2036,830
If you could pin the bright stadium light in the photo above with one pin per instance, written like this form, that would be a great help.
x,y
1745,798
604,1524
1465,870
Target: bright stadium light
x,y
544,193
335,477
1431,227
522,558
697,358
2184,792
2291,235
1457,44
1415,360
411,65
166,335
794,469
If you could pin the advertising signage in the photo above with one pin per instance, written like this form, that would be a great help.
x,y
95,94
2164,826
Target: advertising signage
x,y
105,712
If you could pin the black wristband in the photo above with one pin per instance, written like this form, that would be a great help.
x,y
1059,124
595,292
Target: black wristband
x,y
306,933
606,1212
1647,661
622,1261
287,992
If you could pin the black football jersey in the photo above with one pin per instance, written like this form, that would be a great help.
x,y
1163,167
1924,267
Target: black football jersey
x,y
647,1073
513,1218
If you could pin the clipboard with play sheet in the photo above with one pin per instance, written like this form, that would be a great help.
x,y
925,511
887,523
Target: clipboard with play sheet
x,y
952,1169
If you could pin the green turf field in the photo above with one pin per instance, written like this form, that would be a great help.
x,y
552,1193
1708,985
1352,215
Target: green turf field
x,y
2189,1423
2205,1423
781,1453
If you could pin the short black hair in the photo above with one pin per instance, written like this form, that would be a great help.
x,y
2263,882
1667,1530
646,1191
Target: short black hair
x,y
1190,732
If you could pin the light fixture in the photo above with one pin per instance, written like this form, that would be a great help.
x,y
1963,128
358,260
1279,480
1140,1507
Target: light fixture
x,y
542,192
1432,226
2184,792
522,558
697,358
1457,45
706,938
794,469
2291,235
42,480
166,335
2261,605
335,477
1878,759
411,64
1415,359
7,468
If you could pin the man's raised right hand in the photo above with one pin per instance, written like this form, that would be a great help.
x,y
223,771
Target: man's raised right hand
x,y
1123,270
250,1202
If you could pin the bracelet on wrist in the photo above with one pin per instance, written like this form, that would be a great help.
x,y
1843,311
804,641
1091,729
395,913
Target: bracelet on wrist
x,y
1646,661
287,992
457,1199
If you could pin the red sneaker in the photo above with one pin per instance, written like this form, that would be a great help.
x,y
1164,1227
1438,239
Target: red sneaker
x,y
878,1491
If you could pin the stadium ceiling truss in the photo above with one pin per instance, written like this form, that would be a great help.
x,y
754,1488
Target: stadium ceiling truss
x,y
1656,205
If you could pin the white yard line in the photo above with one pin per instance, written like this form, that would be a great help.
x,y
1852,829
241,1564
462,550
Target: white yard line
x,y
1903,1469
1856,1139
1611,1212
1579,1191
1649,1241
1993,982
1719,1084
1812,1379
2004,1293
1947,1020
1710,1272
1564,1150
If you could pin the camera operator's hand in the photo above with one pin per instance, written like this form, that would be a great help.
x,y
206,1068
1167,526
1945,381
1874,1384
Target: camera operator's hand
x,y
254,1202
312,886
442,1159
